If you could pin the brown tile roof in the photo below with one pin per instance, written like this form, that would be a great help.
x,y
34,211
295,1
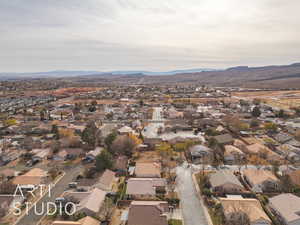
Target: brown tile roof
x,y
93,201
249,206
88,221
295,177
33,177
37,172
224,138
8,172
259,176
146,213
84,221
144,186
107,178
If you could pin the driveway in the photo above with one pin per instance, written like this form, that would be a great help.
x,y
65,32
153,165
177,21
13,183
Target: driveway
x,y
32,218
192,211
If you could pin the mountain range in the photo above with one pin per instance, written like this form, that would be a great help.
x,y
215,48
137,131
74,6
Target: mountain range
x,y
65,73
277,76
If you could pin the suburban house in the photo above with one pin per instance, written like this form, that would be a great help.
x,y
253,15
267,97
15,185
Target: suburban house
x,y
91,204
34,176
107,180
143,188
224,139
225,181
233,154
125,130
84,221
287,208
91,155
69,153
282,137
295,177
8,173
200,153
41,153
261,180
148,213
259,148
251,207
147,170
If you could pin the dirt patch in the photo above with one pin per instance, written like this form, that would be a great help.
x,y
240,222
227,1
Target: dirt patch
x,y
150,156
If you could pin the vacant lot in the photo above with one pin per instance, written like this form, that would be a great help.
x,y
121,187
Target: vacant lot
x,y
280,99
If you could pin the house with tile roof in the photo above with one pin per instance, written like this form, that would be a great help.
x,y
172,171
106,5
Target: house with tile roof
x,y
145,188
148,213
287,208
261,180
91,203
84,221
251,207
226,182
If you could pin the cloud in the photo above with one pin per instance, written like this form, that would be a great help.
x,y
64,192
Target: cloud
x,y
141,34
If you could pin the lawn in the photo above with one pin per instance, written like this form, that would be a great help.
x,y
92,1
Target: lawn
x,y
174,222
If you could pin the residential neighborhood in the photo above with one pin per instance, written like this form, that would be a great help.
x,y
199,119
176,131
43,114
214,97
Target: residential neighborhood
x,y
149,156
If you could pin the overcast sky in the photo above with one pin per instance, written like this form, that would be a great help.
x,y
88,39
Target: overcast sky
x,y
157,35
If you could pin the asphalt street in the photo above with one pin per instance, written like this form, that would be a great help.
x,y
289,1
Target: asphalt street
x,y
151,130
192,211
33,218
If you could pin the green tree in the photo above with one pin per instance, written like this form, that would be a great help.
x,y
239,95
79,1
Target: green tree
x,y
254,123
244,102
281,114
297,111
141,102
256,111
269,126
104,161
43,114
109,140
55,131
89,134
92,107
256,101
55,146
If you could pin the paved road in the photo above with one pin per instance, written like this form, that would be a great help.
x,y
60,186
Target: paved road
x,y
192,210
157,111
151,130
32,218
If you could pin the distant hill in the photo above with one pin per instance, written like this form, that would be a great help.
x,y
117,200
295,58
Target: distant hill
x,y
49,74
285,76
64,73
282,76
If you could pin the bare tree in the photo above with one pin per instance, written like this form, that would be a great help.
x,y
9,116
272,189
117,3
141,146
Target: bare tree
x,y
106,209
237,218
123,145
237,214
